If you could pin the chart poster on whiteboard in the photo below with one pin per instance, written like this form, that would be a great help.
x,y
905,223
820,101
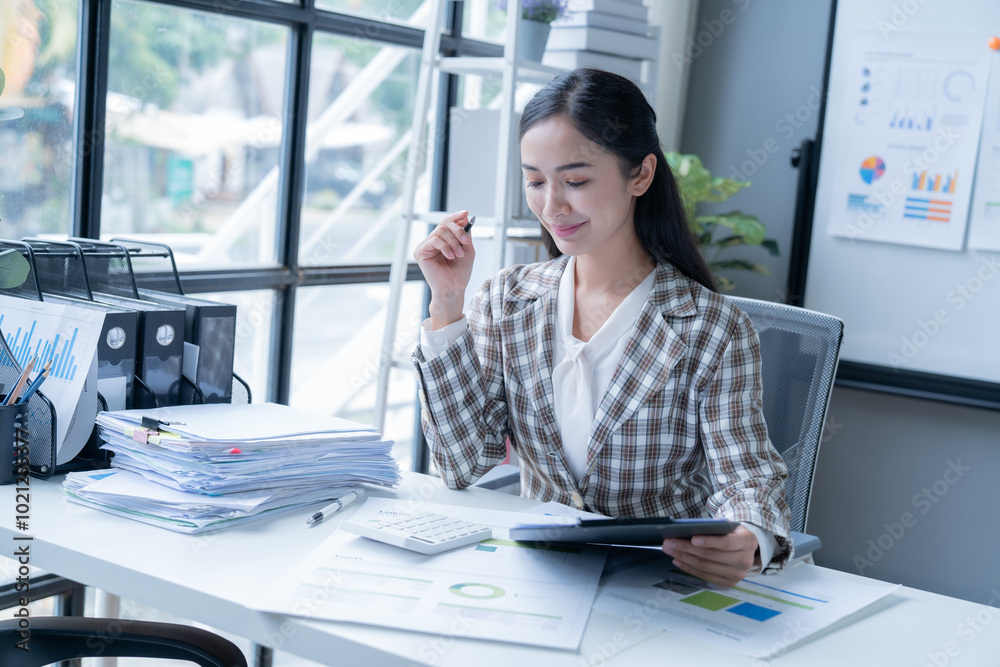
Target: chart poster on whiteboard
x,y
910,117
984,220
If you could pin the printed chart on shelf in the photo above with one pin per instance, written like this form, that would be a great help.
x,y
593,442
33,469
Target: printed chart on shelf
x,y
909,119
761,616
67,337
497,589
984,220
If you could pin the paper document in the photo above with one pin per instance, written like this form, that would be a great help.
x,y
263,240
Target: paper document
x,y
223,448
224,423
761,616
66,336
984,218
905,139
130,495
497,589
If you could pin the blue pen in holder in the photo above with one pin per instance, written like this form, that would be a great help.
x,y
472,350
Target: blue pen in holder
x,y
25,428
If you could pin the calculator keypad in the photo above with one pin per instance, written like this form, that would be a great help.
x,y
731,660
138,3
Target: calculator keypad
x,y
426,533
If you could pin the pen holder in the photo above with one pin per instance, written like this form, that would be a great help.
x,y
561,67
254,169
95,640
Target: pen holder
x,y
14,460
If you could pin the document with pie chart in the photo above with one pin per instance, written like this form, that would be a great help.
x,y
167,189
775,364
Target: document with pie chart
x,y
909,123
497,589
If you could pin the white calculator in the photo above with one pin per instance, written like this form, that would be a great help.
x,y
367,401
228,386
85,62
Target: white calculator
x,y
426,533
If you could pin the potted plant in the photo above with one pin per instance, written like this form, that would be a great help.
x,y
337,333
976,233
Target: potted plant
x,y
716,233
536,15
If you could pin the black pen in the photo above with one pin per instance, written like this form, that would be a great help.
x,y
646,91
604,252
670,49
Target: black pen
x,y
338,504
472,221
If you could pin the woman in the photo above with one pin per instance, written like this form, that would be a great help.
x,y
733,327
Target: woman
x,y
625,383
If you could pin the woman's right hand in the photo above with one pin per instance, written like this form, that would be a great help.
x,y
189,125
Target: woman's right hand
x,y
445,257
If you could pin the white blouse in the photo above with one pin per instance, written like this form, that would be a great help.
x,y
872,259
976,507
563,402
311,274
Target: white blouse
x,y
582,371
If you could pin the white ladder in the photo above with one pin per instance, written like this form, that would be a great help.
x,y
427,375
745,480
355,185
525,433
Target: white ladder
x,y
431,64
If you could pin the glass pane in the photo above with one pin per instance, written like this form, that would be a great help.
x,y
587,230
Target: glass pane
x,y
404,12
361,100
195,107
336,350
38,58
254,315
481,19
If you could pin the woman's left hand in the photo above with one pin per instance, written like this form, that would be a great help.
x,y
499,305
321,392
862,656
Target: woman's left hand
x,y
719,559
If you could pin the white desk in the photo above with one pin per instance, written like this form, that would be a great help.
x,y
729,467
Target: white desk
x,y
212,578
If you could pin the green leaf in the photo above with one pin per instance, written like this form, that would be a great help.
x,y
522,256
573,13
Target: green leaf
x,y
696,185
3,81
724,283
13,269
746,226
730,242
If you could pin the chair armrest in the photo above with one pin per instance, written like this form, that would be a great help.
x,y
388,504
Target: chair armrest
x,y
804,544
500,477
66,637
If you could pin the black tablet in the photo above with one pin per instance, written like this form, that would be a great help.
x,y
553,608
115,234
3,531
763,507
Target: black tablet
x,y
623,530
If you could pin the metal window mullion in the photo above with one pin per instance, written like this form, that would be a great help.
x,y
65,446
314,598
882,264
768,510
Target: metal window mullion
x,y
88,131
290,210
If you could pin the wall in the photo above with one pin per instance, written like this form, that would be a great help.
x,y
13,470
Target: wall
x,y
881,452
905,491
753,95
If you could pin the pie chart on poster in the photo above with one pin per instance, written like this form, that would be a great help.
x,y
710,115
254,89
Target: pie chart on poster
x,y
872,169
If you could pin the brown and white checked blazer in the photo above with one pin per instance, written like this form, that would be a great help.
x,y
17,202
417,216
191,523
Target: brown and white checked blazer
x,y
680,431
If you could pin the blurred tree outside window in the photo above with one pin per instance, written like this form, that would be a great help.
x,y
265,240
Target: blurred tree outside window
x,y
194,124
38,42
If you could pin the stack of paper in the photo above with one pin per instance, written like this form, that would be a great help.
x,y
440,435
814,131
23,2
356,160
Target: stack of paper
x,y
213,465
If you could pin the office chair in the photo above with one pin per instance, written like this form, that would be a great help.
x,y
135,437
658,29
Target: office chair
x,y
63,638
799,352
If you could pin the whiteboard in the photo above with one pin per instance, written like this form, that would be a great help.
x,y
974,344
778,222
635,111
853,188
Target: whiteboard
x,y
931,313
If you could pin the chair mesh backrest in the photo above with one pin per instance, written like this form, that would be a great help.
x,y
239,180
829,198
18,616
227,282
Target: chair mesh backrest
x,y
799,350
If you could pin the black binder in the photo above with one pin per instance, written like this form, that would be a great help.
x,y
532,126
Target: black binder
x,y
160,348
209,326
210,340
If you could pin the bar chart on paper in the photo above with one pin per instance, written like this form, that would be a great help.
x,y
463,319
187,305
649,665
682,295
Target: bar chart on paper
x,y
59,349
67,337
752,617
497,589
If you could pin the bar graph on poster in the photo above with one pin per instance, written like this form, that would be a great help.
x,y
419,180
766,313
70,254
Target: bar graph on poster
x,y
914,107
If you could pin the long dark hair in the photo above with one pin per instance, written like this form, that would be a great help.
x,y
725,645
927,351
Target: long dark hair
x,y
613,113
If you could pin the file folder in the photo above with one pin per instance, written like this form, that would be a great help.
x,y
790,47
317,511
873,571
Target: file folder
x,y
210,340
209,326
159,348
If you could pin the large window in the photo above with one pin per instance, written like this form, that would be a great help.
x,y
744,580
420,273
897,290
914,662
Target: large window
x,y
195,109
265,142
38,45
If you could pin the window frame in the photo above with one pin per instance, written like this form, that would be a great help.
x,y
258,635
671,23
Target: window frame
x,y
303,20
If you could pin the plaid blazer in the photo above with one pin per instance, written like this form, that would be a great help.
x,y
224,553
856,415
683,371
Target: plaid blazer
x,y
680,431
